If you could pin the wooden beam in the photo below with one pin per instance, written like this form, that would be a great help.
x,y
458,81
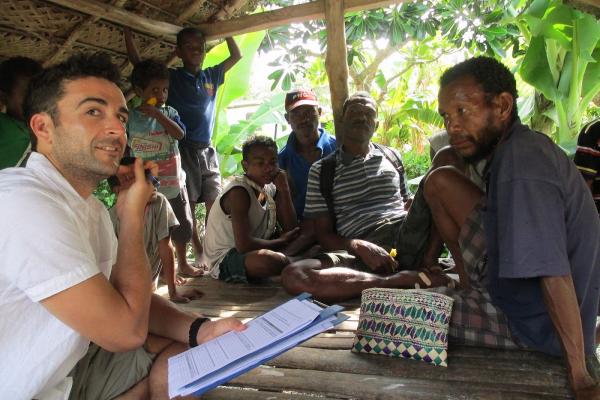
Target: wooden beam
x,y
284,16
120,16
233,27
335,61
74,35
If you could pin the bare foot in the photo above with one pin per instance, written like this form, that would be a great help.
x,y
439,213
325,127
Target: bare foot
x,y
185,295
187,271
180,281
200,261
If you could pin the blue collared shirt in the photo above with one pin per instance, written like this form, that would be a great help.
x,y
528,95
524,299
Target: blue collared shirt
x,y
194,97
297,167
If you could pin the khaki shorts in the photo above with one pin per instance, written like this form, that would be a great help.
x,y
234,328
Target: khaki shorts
x,y
102,375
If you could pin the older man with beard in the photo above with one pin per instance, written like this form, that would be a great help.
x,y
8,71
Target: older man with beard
x,y
369,199
529,245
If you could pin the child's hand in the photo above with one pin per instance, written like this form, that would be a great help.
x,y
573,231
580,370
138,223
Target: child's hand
x,y
149,110
185,295
280,180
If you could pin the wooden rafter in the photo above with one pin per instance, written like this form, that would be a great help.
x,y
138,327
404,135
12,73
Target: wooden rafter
x,y
335,61
285,16
190,10
50,41
120,16
75,33
212,31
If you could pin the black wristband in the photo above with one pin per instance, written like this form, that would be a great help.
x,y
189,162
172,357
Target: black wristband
x,y
194,328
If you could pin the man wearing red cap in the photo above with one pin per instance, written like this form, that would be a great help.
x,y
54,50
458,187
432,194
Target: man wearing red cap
x,y
306,144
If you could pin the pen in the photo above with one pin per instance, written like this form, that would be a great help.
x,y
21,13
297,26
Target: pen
x,y
154,180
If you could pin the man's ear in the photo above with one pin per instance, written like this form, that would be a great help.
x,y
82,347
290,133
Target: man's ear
x,y
287,117
42,126
505,103
376,125
245,165
319,111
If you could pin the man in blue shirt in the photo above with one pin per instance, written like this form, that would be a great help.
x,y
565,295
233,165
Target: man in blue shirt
x,y
530,244
306,143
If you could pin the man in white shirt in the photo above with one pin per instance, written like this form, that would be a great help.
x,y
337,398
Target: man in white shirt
x,y
65,280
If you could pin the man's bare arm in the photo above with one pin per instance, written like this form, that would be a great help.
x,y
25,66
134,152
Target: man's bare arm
x,y
561,302
168,321
115,314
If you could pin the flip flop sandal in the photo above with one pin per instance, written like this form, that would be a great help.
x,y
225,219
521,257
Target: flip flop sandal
x,y
427,281
424,278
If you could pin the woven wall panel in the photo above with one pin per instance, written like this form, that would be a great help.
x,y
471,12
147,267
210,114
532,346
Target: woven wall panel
x,y
38,28
106,34
38,17
14,44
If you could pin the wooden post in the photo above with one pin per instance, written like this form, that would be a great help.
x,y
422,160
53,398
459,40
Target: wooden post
x,y
336,61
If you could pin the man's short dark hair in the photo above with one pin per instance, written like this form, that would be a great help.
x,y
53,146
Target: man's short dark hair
x,y
14,68
493,76
147,70
189,31
47,88
256,141
361,97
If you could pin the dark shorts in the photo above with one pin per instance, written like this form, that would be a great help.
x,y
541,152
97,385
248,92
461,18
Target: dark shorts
x,y
232,268
181,208
201,166
103,375
384,235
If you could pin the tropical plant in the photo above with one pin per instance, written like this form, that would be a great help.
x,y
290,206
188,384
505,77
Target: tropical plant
x,y
562,62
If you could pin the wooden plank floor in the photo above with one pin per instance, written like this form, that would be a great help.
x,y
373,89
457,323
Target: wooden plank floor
x,y
324,367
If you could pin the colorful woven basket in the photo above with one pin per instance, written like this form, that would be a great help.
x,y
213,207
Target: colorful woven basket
x,y
404,323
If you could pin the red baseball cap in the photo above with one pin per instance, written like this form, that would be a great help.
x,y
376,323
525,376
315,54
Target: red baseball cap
x,y
300,97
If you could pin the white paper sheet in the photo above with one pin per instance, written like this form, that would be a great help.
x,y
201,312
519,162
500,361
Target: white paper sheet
x,y
262,331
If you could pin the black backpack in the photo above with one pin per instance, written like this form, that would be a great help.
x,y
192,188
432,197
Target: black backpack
x,y
328,173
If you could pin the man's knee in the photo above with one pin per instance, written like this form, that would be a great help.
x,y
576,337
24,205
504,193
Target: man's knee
x,y
296,279
447,156
440,180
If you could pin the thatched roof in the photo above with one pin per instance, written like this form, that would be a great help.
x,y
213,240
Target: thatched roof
x,y
49,31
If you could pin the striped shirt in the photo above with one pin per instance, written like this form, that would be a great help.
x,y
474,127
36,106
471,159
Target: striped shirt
x,y
366,191
587,157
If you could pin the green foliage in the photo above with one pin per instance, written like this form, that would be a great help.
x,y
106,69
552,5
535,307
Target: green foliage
x,y
415,163
562,62
105,195
229,145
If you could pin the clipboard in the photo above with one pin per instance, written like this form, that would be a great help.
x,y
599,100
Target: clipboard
x,y
328,317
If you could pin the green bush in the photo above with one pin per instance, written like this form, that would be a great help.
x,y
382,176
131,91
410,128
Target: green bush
x,y
415,163
105,195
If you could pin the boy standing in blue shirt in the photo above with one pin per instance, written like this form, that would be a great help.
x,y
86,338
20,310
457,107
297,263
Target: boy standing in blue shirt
x,y
193,92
